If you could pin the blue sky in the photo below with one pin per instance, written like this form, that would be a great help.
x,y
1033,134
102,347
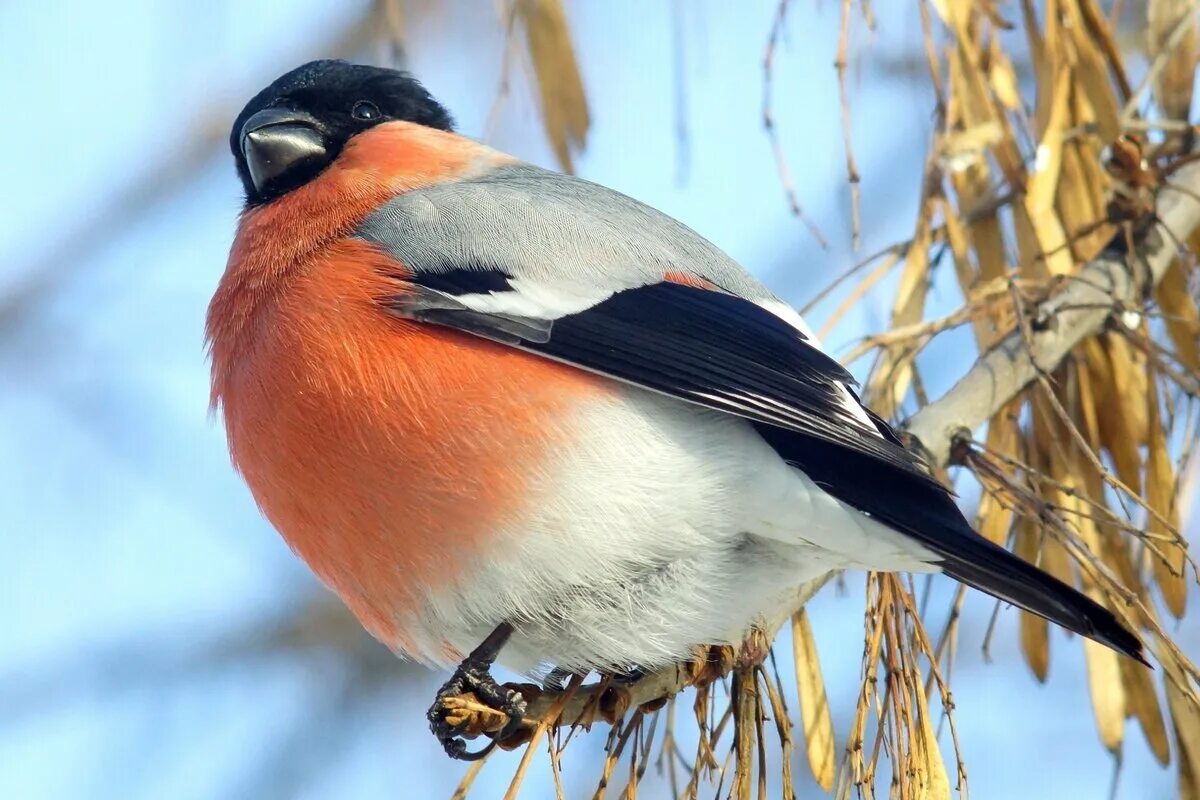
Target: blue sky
x,y
134,561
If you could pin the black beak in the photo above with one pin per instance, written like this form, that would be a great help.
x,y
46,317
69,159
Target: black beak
x,y
281,147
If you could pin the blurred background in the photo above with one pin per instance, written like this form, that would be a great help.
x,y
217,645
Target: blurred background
x,y
159,639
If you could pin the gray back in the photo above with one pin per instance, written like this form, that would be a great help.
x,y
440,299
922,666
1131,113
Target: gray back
x,y
559,231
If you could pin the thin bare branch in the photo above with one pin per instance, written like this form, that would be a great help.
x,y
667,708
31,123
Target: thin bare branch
x,y
768,118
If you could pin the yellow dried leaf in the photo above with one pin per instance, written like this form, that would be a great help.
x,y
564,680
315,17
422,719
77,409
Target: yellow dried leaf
x,y
1111,415
910,296
956,236
1116,555
1056,560
933,782
1104,672
1107,691
987,236
1048,159
942,7
814,703
1175,83
1051,58
972,115
961,15
970,98
1180,311
1103,666
1033,31
969,85
962,148
1081,201
1100,28
1160,496
1003,78
1185,718
994,518
1052,245
1091,73
1129,374
1189,785
1084,185
564,103
973,186
1143,704
1035,631
1029,254
1035,644
1089,424
893,376
1114,546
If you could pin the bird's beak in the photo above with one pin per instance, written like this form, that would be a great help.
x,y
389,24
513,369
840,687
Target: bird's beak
x,y
278,142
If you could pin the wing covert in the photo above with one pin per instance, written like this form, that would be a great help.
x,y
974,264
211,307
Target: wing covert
x,y
574,271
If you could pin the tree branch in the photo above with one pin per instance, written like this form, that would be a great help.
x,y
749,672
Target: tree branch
x,y
1079,311
671,680
603,700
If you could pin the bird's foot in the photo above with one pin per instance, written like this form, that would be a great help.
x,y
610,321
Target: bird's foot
x,y
630,675
711,663
754,650
556,679
471,703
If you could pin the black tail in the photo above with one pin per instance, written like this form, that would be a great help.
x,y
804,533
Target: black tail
x,y
925,511
977,562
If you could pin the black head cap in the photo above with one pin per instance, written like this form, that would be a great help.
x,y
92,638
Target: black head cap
x,y
298,125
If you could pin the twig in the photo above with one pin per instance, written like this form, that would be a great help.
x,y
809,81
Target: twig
x,y
391,13
468,778
664,683
1077,312
893,251
852,176
768,118
507,11
1178,31
547,719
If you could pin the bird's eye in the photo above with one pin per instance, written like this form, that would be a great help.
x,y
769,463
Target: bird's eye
x,y
365,110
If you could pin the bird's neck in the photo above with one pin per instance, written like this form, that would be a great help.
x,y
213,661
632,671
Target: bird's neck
x,y
277,240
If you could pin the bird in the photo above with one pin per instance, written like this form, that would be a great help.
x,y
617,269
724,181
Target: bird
x,y
512,416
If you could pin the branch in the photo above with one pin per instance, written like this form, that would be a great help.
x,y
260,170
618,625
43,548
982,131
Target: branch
x,y
603,700
1079,311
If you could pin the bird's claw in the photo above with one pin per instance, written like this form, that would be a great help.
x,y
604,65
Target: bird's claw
x,y
450,726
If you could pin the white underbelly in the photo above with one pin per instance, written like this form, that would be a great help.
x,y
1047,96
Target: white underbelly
x,y
664,526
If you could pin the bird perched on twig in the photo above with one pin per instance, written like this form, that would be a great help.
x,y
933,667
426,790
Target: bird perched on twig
x,y
509,413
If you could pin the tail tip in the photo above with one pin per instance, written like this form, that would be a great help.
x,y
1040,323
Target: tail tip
x,y
1118,637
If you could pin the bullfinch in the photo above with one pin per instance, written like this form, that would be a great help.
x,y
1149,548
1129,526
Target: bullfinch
x,y
508,413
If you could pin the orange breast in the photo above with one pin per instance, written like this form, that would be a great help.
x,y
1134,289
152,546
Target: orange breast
x,y
386,452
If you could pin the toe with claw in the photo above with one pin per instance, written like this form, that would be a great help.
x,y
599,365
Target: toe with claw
x,y
448,717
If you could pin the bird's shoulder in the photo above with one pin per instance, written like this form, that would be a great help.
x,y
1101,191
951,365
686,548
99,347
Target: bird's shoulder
x,y
557,231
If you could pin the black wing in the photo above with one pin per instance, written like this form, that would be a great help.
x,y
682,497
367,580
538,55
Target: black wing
x,y
707,347
732,355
